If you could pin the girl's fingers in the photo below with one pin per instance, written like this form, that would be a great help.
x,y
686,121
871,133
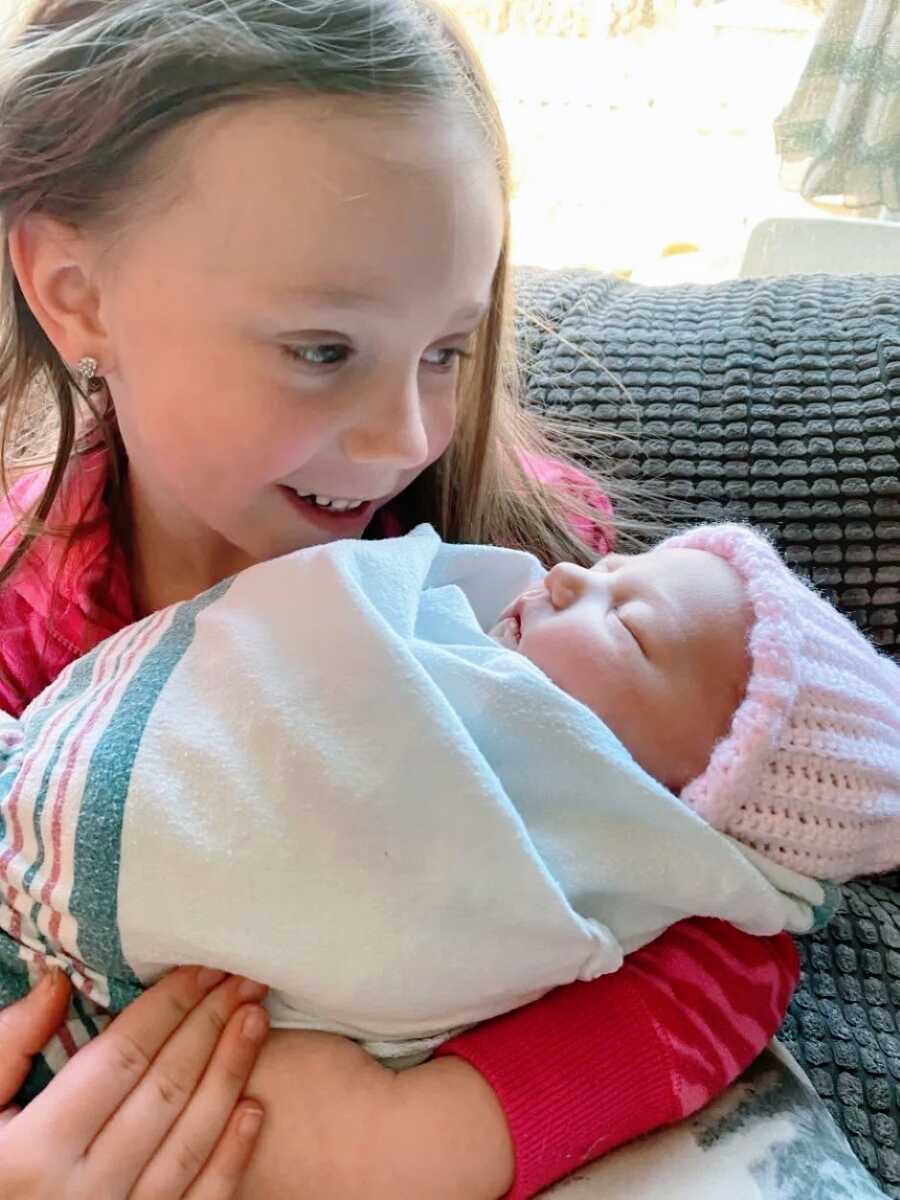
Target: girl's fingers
x,y
27,1026
90,1088
181,1159
132,1137
223,1173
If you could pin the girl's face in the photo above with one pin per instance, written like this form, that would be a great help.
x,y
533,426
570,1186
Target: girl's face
x,y
655,644
292,326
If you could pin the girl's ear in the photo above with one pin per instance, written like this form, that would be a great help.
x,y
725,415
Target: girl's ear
x,y
51,262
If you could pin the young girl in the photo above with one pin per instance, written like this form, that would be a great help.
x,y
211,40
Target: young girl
x,y
275,236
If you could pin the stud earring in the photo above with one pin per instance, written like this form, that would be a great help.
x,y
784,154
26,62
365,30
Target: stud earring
x,y
87,369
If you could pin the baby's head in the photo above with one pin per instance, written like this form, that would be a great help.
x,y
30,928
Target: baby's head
x,y
735,684
655,644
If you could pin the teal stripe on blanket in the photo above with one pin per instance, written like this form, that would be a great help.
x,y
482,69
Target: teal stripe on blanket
x,y
84,671
14,979
38,1078
83,674
98,838
79,678
84,1016
13,971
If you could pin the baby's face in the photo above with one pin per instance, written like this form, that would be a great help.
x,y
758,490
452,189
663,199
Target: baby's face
x,y
655,644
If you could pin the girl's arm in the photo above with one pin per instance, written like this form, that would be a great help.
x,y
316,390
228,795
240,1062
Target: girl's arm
x,y
522,1100
593,1065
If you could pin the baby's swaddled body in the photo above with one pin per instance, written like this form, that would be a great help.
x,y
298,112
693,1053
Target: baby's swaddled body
x,y
399,825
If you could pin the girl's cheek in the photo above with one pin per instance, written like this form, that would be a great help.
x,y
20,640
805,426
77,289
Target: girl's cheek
x,y
293,437
440,440
441,423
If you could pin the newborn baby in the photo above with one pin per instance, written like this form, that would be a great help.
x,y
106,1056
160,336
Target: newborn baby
x,y
403,826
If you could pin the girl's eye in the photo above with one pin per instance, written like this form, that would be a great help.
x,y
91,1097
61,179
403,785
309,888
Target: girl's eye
x,y
327,354
453,351
319,355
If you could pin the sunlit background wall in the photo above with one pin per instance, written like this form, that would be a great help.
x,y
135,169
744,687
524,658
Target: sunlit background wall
x,y
642,132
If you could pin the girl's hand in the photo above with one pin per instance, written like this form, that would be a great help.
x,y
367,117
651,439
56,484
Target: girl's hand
x,y
150,1108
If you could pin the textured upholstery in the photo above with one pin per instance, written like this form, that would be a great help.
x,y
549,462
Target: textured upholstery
x,y
773,401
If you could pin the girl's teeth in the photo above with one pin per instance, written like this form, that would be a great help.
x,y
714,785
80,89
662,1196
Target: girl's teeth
x,y
334,505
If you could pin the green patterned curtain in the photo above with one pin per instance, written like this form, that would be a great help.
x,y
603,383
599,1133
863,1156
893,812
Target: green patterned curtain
x,y
840,134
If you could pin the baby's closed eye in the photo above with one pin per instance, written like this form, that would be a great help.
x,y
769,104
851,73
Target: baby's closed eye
x,y
634,618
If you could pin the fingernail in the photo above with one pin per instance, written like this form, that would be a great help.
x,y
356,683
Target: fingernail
x,y
255,1025
249,1123
208,978
251,990
50,976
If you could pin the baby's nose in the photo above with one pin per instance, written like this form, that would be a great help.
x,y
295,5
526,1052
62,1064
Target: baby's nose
x,y
565,583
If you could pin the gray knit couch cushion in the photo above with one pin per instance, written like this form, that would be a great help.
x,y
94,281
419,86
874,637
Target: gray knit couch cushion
x,y
773,401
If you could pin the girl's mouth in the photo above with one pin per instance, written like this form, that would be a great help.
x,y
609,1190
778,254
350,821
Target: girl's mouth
x,y
336,515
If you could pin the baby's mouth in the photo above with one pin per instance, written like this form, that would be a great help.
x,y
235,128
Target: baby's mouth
x,y
508,631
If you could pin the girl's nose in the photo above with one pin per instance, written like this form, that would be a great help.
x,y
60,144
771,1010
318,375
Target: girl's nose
x,y
565,583
389,429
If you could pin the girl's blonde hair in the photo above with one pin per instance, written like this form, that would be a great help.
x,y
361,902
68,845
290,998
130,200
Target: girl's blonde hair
x,y
88,86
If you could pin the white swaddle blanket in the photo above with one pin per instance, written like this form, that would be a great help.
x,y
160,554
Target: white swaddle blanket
x,y
323,774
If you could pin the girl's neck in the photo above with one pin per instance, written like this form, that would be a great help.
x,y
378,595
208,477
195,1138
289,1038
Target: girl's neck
x,y
168,562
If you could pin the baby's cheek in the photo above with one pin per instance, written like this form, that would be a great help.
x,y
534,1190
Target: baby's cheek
x,y
578,668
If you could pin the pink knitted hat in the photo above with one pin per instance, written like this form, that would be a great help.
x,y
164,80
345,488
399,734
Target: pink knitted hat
x,y
809,773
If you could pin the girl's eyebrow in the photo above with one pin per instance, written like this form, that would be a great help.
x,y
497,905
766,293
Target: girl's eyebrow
x,y
346,298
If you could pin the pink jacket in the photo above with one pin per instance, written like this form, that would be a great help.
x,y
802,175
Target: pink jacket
x,y
58,606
